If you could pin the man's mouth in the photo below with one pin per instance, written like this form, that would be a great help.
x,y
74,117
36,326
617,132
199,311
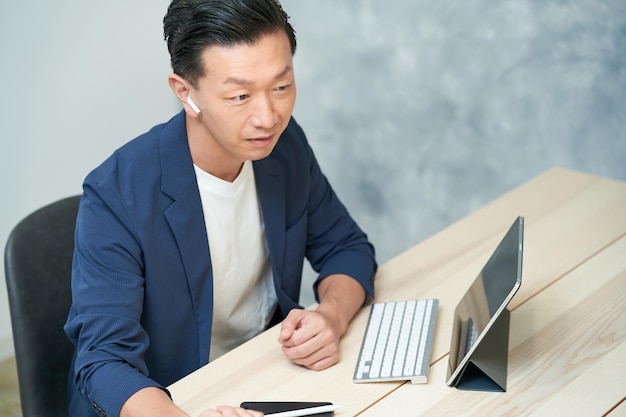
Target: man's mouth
x,y
261,140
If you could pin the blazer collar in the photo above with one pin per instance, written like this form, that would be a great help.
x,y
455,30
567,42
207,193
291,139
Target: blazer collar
x,y
176,163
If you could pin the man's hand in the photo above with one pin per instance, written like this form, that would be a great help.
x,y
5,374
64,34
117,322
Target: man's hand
x,y
311,338
154,402
225,411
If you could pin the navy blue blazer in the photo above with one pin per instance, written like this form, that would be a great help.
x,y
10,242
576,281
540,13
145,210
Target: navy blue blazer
x,y
142,281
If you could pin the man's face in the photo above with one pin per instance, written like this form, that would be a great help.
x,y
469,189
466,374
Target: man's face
x,y
246,98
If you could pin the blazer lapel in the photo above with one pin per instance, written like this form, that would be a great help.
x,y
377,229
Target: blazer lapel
x,y
270,189
186,220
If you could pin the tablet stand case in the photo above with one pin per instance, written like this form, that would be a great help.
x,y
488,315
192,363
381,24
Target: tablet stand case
x,y
486,369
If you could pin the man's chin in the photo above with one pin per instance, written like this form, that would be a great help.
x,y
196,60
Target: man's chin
x,y
261,150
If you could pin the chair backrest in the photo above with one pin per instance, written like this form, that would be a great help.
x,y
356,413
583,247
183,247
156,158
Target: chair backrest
x,y
38,263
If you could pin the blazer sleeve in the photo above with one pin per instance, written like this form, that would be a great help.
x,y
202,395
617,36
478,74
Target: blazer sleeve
x,y
335,242
107,289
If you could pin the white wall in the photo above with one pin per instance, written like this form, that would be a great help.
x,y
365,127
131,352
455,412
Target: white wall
x,y
78,79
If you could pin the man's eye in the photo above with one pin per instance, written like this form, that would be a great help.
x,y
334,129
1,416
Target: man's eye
x,y
283,87
240,97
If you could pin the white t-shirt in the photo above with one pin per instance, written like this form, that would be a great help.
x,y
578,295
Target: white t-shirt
x,y
244,298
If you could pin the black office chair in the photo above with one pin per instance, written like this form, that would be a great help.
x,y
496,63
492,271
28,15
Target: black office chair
x,y
38,262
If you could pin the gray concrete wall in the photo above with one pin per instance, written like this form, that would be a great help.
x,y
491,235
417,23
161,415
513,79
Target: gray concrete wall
x,y
421,112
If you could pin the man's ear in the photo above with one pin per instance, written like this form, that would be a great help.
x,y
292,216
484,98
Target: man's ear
x,y
181,89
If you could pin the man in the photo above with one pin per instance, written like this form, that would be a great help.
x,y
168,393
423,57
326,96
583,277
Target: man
x,y
191,238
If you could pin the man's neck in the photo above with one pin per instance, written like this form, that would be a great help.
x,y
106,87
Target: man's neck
x,y
208,156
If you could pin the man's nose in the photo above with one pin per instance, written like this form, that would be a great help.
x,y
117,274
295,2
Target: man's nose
x,y
263,113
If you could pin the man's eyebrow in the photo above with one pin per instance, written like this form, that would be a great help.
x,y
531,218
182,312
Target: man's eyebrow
x,y
243,81
238,81
284,72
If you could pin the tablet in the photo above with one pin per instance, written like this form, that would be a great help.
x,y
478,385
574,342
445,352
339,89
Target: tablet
x,y
483,304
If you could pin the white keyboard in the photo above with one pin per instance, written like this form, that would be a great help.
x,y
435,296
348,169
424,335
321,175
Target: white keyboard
x,y
398,342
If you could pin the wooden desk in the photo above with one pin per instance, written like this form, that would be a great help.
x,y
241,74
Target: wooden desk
x,y
567,350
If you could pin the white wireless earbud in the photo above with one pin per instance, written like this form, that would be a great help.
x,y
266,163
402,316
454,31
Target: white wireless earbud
x,y
193,105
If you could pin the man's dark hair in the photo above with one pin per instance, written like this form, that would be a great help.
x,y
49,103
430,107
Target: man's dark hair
x,y
190,26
